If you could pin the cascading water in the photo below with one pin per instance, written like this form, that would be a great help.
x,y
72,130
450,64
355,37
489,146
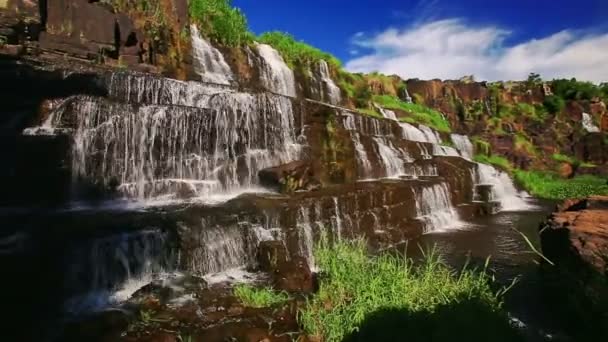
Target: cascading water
x,y
182,152
306,238
589,125
111,269
330,91
431,135
393,159
412,133
209,63
503,189
463,145
275,74
386,113
434,208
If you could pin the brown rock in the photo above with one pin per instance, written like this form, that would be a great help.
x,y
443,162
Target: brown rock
x,y
577,236
565,170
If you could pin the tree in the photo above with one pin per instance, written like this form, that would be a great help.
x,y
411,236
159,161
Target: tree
x,y
554,104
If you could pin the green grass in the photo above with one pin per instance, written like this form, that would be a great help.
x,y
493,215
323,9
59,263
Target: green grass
x,y
564,159
523,143
221,22
495,160
551,186
419,114
296,52
259,297
360,294
370,112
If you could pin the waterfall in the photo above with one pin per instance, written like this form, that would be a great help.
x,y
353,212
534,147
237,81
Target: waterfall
x,y
365,166
464,145
337,220
430,135
434,208
408,98
386,113
306,236
142,88
448,151
109,270
503,189
328,87
275,74
393,159
176,152
412,133
589,125
209,62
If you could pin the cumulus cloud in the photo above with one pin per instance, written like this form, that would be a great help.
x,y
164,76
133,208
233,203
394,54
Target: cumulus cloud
x,y
450,49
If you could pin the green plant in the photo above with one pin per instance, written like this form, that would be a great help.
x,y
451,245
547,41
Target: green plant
x,y
554,104
221,22
523,143
259,297
495,160
355,288
482,146
565,159
296,52
551,186
418,113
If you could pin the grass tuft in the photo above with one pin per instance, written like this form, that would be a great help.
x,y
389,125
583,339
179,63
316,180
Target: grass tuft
x,y
259,297
297,52
355,287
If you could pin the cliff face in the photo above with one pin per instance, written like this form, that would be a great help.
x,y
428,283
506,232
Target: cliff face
x,y
500,112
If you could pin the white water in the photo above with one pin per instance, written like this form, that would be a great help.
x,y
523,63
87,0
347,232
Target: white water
x,y
440,150
276,75
412,133
331,92
386,113
503,189
589,125
168,152
408,98
463,145
306,236
393,159
337,220
209,62
431,135
434,208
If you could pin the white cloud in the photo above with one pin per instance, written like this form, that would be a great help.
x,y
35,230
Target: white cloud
x,y
450,49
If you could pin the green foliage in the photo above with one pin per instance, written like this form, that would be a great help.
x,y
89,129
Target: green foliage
x,y
575,90
523,143
495,160
554,104
296,52
370,112
363,95
482,146
221,22
419,113
259,297
355,287
565,159
551,186
533,80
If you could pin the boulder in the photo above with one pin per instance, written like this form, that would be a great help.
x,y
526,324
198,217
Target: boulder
x,y
577,235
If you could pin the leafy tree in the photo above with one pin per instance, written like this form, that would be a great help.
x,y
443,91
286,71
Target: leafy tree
x,y
533,80
575,90
554,104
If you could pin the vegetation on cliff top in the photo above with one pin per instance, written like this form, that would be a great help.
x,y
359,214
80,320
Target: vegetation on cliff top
x,y
389,296
550,186
221,22
418,113
296,52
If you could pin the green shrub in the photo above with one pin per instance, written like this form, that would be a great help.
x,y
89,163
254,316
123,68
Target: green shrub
x,y
495,160
259,297
355,288
551,186
296,52
221,22
523,143
418,113
554,104
575,90
565,159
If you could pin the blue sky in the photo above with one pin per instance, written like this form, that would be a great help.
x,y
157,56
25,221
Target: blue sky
x,y
448,39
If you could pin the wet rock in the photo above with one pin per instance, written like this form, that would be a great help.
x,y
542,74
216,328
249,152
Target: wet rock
x,y
577,235
291,177
288,274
